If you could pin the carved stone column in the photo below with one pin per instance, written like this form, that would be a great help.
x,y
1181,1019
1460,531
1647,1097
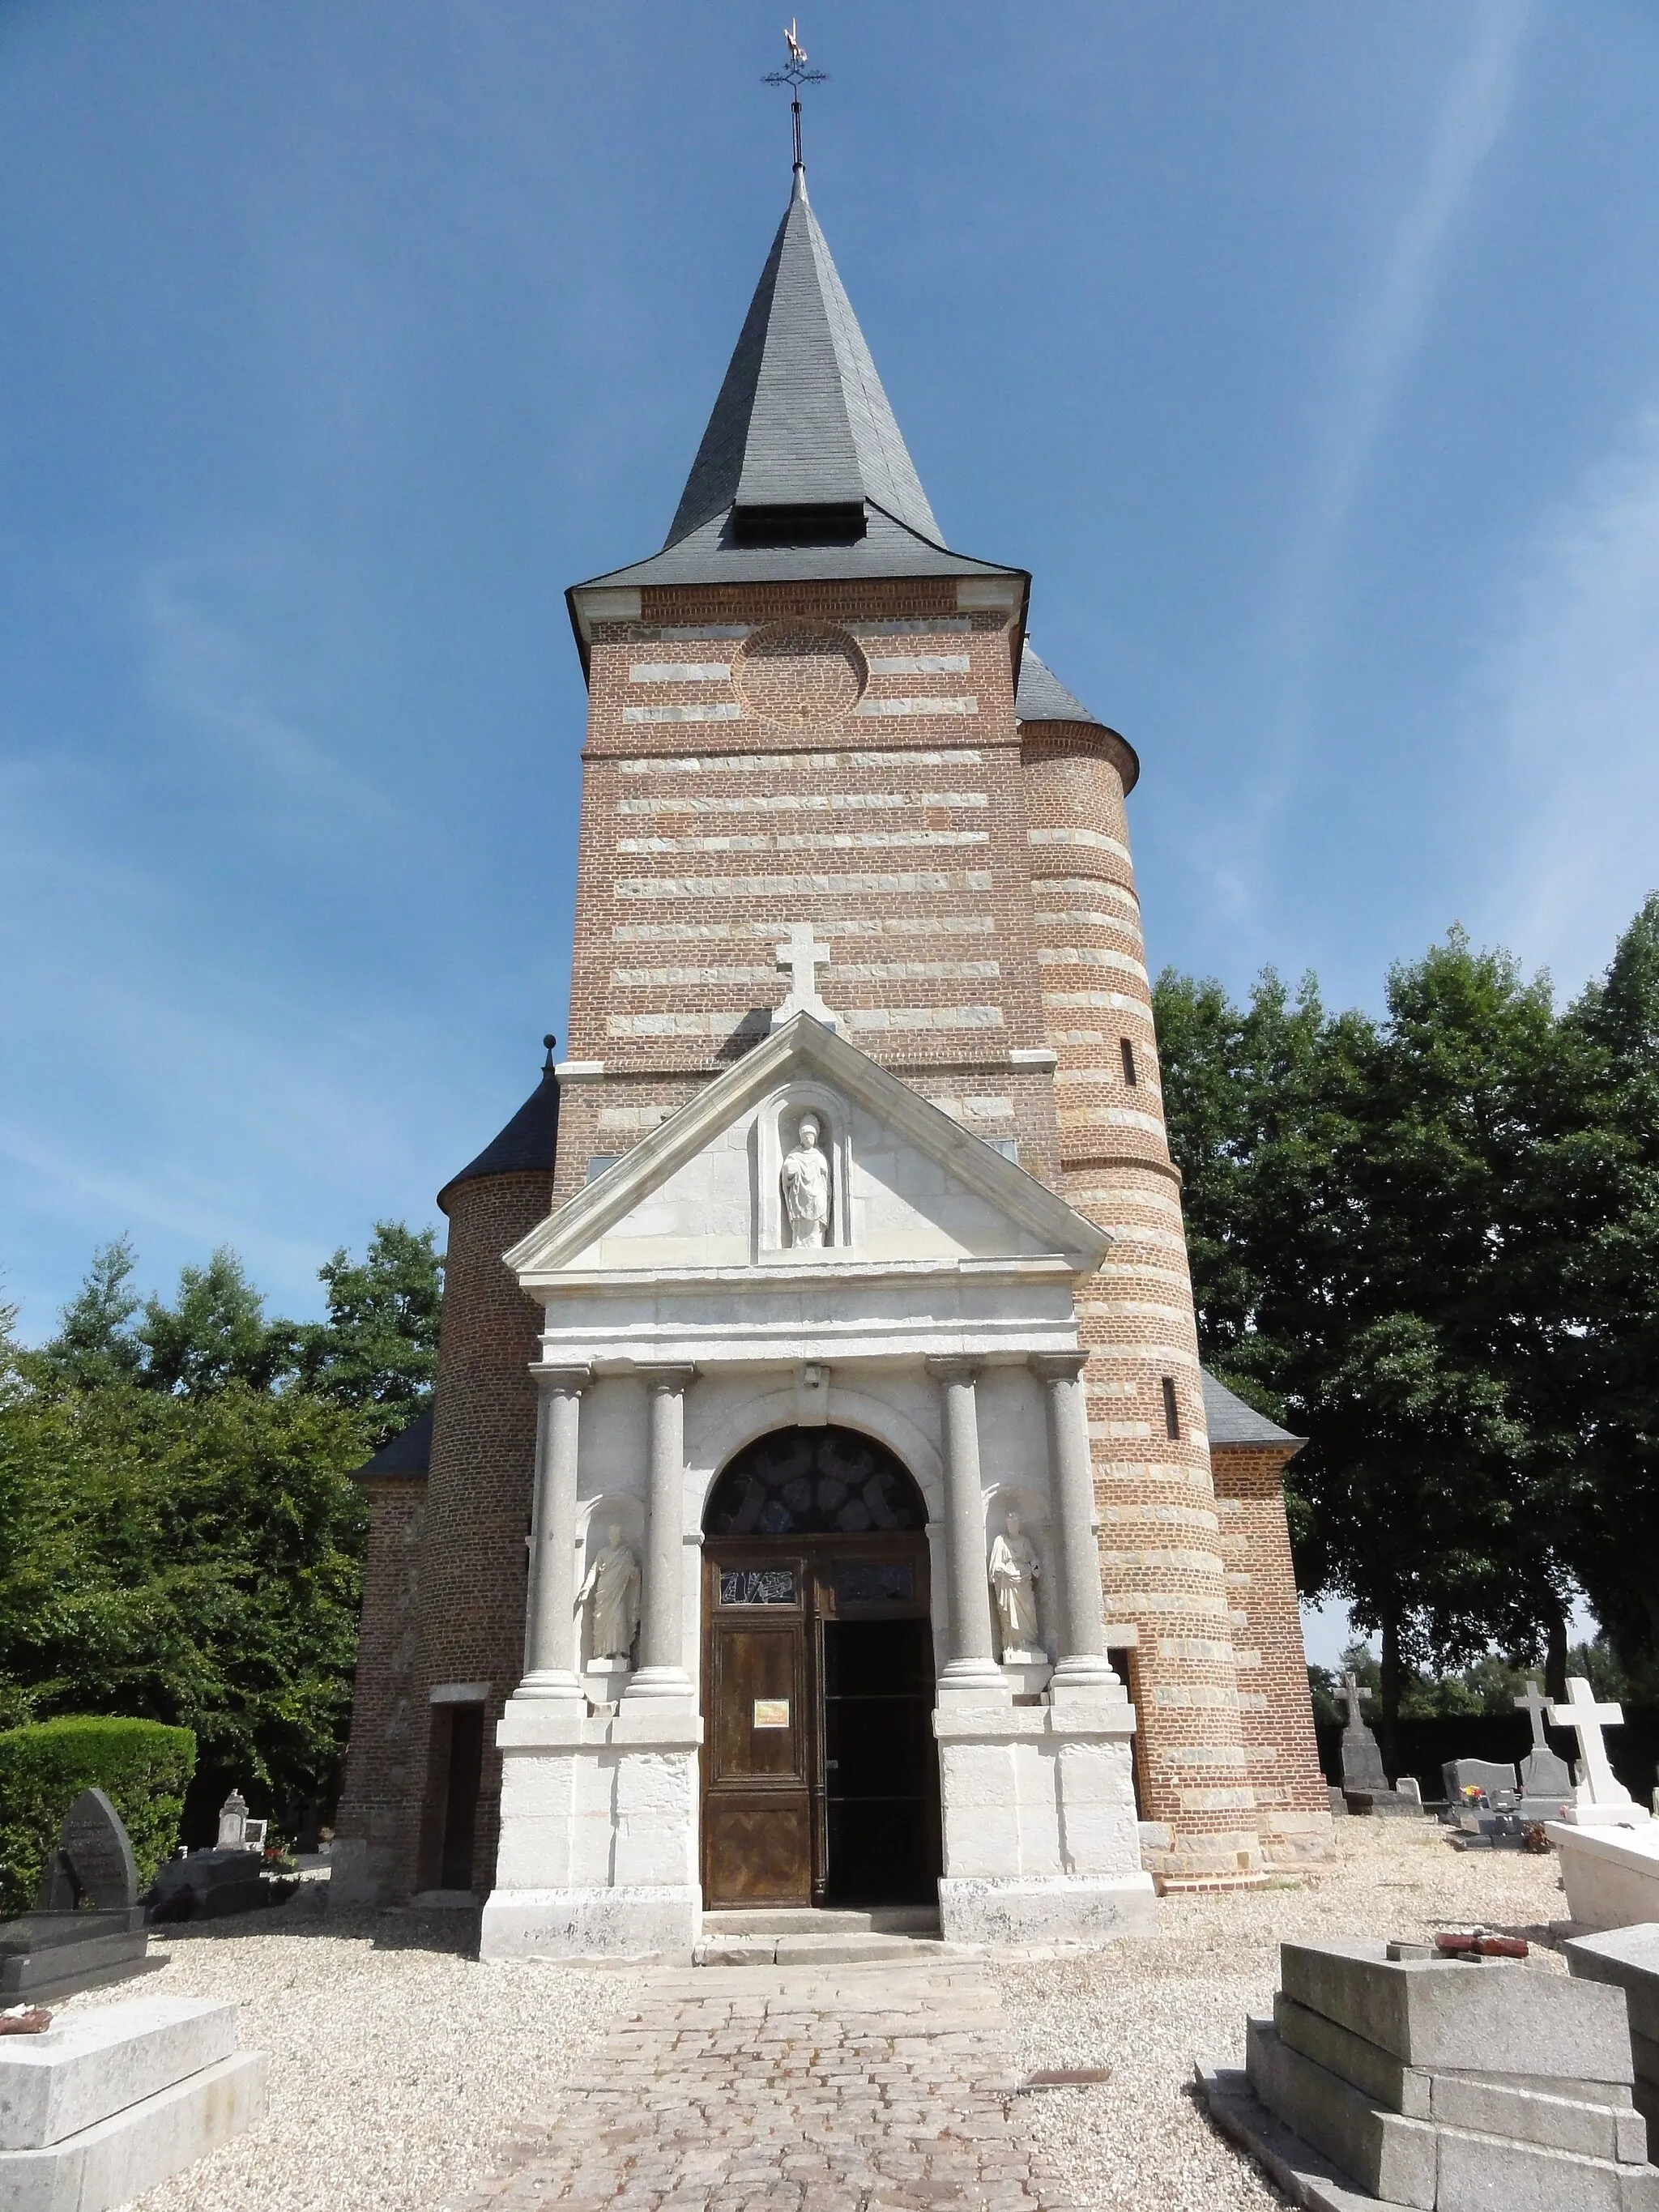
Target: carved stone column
x,y
662,1649
550,1646
972,1665
1082,1662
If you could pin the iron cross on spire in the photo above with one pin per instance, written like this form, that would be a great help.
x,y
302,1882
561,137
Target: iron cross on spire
x,y
794,74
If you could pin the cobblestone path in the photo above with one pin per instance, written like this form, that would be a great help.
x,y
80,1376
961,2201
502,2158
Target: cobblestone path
x,y
789,2089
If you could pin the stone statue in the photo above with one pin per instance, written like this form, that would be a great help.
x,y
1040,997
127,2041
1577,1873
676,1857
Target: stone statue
x,y
1014,1571
806,1181
612,1592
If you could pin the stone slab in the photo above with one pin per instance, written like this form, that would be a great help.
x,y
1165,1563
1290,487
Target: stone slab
x,y
1611,1875
1628,1958
1062,1909
1376,2072
1487,2174
62,1969
1305,2175
1494,2018
121,2157
90,2064
1588,2130
1383,2152
1385,1804
43,1931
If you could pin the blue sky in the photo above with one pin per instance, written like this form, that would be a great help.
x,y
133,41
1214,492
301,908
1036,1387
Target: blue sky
x,y
1307,354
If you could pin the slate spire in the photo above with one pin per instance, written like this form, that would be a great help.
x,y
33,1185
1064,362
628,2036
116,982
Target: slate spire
x,y
802,434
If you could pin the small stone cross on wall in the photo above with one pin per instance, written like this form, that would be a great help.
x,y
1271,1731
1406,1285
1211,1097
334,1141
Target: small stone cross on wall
x,y
803,956
1586,1719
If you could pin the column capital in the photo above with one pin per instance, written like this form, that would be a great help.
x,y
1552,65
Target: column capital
x,y
562,1381
1057,1366
667,1378
953,1368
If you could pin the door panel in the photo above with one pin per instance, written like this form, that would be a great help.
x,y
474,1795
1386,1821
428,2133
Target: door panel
x,y
820,1775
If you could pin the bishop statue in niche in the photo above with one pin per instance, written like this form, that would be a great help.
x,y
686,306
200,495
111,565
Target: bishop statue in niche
x,y
611,1594
806,1186
1015,1569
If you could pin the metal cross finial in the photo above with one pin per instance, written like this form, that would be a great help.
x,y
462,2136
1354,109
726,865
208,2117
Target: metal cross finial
x,y
794,74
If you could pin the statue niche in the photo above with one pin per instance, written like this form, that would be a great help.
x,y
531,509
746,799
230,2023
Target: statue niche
x,y
806,1181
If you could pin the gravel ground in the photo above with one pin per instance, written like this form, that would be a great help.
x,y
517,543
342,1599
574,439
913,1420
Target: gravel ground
x,y
1139,2143
398,2064
401,2068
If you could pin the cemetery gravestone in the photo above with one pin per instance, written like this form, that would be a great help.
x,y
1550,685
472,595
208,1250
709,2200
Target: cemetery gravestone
x,y
87,1926
1600,1800
1458,1775
1365,1787
1453,2086
1546,1778
206,1885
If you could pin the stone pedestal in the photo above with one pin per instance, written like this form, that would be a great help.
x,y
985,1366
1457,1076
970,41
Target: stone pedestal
x,y
604,1680
598,1848
1041,1840
111,2101
1611,1875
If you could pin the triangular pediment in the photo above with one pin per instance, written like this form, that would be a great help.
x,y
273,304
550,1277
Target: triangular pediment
x,y
907,1185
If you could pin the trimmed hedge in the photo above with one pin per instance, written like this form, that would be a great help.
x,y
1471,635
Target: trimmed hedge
x,y
141,1766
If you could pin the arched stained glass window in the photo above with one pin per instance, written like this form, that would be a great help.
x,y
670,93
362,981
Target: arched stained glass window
x,y
814,1482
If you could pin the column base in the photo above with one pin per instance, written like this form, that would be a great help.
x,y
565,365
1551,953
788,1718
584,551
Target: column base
x,y
975,1682
1082,1674
646,1920
551,1682
660,1682
1054,1909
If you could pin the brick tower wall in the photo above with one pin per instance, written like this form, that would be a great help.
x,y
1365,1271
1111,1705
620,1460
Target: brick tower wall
x,y
473,1553
1292,1806
373,1826
710,821
1161,1556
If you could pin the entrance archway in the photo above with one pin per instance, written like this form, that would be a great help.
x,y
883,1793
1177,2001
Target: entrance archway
x,y
819,1775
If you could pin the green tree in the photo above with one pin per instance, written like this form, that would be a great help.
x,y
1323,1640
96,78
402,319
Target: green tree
x,y
96,1343
214,1333
378,1350
191,1559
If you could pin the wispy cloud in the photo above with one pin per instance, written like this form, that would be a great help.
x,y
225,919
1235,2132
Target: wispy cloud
x,y
1376,357
1562,730
205,670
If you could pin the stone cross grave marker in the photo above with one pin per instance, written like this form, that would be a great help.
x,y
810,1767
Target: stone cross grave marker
x,y
803,956
1586,1719
1362,1759
1543,1775
92,1867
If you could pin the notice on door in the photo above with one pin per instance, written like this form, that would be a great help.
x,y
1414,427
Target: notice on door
x,y
771,1712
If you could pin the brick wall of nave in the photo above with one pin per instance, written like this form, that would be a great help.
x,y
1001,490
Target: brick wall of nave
x,y
1291,1800
382,1782
894,824
473,1555
1161,1558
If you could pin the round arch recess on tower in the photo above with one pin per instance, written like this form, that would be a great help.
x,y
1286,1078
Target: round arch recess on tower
x,y
814,1482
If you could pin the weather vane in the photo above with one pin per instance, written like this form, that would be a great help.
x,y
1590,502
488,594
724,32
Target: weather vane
x,y
794,74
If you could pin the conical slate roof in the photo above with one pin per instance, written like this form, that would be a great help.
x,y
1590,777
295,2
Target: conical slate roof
x,y
406,1454
1041,697
801,420
529,1143
1231,1421
802,472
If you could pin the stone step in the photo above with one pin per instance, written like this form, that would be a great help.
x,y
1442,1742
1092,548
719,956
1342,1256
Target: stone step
x,y
849,1949
90,2065
825,1920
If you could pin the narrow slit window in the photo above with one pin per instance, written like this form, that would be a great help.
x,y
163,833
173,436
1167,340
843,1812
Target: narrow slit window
x,y
1129,1075
1171,1411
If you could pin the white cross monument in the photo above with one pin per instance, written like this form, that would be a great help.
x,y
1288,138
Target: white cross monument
x,y
1602,1799
802,955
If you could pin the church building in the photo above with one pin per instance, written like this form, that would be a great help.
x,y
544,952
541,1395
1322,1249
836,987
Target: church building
x,y
822,1503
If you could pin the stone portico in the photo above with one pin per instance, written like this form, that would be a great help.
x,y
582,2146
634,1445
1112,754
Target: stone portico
x,y
681,1324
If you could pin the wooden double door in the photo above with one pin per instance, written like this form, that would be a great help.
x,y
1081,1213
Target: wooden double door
x,y
820,1776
